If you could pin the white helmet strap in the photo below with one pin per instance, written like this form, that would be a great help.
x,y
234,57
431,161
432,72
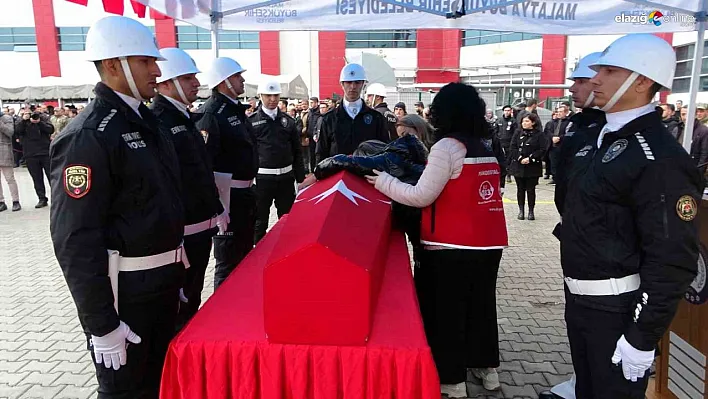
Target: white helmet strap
x,y
129,77
180,91
620,92
589,101
231,88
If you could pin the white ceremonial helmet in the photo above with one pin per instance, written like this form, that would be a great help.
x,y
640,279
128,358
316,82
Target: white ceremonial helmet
x,y
221,69
376,89
352,73
269,87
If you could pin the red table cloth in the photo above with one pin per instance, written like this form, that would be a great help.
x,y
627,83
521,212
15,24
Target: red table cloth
x,y
224,352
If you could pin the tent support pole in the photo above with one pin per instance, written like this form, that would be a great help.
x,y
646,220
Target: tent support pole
x,y
695,79
215,22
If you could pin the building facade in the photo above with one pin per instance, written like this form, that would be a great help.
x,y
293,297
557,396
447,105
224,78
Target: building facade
x,y
46,38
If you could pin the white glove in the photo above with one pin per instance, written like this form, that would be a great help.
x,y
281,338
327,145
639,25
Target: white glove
x,y
634,362
222,221
223,184
110,349
182,297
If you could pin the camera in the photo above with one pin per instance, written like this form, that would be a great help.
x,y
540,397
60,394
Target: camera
x,y
35,116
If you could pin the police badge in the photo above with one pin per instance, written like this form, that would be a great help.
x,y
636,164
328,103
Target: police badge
x,y
368,119
686,208
284,121
77,180
615,150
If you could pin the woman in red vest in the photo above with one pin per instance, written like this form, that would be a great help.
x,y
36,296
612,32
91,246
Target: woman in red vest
x,y
463,232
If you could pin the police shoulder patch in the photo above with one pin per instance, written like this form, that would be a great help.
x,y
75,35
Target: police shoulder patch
x,y
686,208
77,180
615,150
284,121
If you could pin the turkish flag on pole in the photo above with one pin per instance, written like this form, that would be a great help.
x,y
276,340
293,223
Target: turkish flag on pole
x,y
138,8
79,2
157,15
113,6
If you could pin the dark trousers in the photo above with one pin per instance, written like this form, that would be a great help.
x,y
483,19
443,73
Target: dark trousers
x,y
280,189
151,315
593,336
306,157
457,297
313,157
237,241
35,166
554,155
526,187
198,250
548,162
17,154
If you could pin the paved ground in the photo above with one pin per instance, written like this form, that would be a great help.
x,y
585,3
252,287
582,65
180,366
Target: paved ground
x,y
43,351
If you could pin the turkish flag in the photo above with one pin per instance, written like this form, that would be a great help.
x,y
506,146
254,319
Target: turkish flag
x,y
156,15
113,6
79,2
138,8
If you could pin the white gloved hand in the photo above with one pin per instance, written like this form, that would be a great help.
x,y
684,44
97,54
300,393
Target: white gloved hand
x,y
182,297
222,221
634,362
223,184
110,349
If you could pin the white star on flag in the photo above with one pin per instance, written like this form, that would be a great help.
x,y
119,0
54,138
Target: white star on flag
x,y
343,189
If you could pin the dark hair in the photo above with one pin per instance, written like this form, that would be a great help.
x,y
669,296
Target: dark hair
x,y
506,106
534,119
531,101
283,102
50,109
566,103
315,99
458,108
671,107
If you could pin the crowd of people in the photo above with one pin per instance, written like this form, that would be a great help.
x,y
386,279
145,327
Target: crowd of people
x,y
145,193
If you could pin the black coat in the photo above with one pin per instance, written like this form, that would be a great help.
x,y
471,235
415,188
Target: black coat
x,y
35,137
199,195
340,134
391,120
630,208
527,144
231,142
126,176
505,130
278,143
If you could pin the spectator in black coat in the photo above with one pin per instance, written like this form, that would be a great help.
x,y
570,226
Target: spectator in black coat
x,y
527,148
34,133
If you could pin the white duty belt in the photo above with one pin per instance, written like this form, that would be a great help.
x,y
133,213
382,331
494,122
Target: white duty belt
x,y
117,263
276,171
613,286
241,183
199,227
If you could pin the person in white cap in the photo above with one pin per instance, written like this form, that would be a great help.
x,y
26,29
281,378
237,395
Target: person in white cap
x,y
117,214
279,156
353,122
204,214
629,243
232,146
375,98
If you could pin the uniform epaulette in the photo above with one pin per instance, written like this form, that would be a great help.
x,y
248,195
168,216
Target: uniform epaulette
x,y
99,122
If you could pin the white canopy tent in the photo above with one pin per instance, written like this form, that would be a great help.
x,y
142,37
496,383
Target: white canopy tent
x,y
572,17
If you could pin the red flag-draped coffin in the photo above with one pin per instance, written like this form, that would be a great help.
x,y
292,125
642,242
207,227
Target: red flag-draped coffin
x,y
322,279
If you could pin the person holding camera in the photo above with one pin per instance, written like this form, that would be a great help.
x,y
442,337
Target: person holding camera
x,y
34,133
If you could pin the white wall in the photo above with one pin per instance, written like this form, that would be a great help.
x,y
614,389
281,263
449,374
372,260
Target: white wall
x,y
501,54
19,15
681,38
249,59
299,56
404,61
70,14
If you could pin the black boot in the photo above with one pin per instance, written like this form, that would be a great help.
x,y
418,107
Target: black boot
x,y
508,179
16,206
531,215
521,213
548,395
42,203
3,207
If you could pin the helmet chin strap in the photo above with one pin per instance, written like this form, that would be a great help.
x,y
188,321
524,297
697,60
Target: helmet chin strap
x,y
180,91
589,101
129,77
231,88
620,92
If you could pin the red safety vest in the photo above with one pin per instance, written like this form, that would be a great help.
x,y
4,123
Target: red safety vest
x,y
469,213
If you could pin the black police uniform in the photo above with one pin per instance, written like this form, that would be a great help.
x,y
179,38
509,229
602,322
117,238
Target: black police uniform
x,y
629,208
340,134
505,130
116,185
278,148
390,118
199,195
231,144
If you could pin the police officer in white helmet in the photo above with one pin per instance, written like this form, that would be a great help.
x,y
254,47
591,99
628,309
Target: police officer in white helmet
x,y
232,145
279,156
353,122
204,213
628,236
117,214
375,98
